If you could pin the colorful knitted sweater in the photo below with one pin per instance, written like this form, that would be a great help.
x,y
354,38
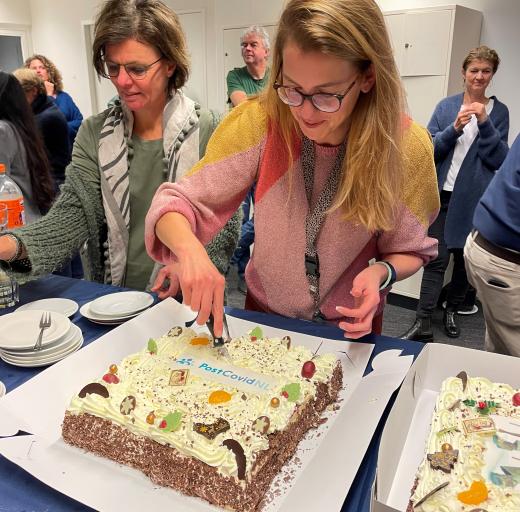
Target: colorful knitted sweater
x,y
244,148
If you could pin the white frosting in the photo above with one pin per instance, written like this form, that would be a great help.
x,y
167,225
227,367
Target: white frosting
x,y
474,448
146,377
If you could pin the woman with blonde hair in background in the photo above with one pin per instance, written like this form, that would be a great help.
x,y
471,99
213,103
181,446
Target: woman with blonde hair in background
x,y
153,134
54,87
343,178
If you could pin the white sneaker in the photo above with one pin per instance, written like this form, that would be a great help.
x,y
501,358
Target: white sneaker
x,y
471,311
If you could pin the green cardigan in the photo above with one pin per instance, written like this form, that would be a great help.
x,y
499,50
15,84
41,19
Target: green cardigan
x,y
77,219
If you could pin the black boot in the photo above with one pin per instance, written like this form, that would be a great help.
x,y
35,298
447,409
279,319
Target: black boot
x,y
421,330
450,323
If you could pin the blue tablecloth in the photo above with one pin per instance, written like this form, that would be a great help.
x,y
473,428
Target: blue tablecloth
x,y
20,491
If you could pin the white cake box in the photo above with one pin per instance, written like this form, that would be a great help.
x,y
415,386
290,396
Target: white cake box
x,y
406,430
328,458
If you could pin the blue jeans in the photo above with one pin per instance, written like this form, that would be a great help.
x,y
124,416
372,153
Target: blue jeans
x,y
241,255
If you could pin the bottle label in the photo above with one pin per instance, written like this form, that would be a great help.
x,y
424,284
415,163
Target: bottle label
x,y
15,213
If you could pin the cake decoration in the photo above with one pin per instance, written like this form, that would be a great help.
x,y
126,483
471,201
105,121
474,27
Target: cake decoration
x,y
287,341
293,391
256,333
516,399
463,376
444,460
261,424
431,493
240,456
127,405
483,406
94,388
111,378
308,369
219,397
475,495
150,418
179,377
199,340
171,422
175,331
275,402
212,430
152,346
484,425
112,368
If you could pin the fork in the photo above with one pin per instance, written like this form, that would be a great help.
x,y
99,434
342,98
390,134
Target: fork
x,y
45,323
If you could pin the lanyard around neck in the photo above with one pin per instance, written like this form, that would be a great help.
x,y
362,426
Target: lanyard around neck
x,y
316,216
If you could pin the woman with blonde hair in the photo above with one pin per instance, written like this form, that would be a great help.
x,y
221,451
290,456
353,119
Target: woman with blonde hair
x,y
343,178
54,88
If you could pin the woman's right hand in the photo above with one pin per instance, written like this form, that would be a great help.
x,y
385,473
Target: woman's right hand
x,y
463,118
202,285
49,88
7,248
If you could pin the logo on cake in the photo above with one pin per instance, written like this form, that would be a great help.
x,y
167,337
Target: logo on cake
x,y
241,378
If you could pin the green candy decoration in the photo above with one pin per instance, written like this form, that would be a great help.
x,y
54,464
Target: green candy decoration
x,y
256,332
152,346
293,390
173,421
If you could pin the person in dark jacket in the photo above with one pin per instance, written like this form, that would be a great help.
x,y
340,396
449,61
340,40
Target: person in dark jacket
x,y
50,121
492,255
469,133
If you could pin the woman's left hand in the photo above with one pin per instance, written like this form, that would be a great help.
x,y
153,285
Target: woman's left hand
x,y
479,110
365,290
166,283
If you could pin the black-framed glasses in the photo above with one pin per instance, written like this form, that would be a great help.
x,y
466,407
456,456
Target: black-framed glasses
x,y
136,71
323,101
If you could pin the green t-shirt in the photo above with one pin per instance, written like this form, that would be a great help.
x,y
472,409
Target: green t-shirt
x,y
239,79
146,173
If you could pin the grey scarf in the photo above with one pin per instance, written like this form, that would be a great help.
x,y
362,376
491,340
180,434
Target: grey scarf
x,y
181,150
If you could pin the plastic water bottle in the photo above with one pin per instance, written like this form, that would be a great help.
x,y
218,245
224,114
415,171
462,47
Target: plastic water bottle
x,y
12,197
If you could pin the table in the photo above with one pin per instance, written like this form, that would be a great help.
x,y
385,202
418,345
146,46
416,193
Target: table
x,y
20,491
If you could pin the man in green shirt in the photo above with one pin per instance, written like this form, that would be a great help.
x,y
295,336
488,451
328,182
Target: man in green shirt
x,y
252,78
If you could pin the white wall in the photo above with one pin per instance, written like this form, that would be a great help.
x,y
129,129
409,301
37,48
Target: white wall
x,y
17,12
499,31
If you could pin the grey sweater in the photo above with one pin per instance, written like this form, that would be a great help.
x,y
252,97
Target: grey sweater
x,y
77,219
12,154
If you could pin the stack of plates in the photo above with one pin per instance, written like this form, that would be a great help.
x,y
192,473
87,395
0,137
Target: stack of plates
x,y
2,389
116,308
19,332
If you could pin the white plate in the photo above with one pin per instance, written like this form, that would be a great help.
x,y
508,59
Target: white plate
x,y
44,361
44,358
99,319
116,305
66,307
63,344
2,389
20,330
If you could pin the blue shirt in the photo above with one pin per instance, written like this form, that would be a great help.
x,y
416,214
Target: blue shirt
x,y
497,215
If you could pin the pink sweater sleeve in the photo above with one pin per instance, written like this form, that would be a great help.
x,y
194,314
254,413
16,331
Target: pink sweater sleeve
x,y
213,190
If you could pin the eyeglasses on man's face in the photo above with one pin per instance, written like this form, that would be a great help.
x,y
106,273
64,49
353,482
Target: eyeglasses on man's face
x,y
323,101
136,71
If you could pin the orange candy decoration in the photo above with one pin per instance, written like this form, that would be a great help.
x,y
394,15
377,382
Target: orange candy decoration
x,y
150,419
476,494
219,397
112,368
199,341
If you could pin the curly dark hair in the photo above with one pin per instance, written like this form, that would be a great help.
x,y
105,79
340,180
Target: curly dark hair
x,y
148,21
53,72
15,109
